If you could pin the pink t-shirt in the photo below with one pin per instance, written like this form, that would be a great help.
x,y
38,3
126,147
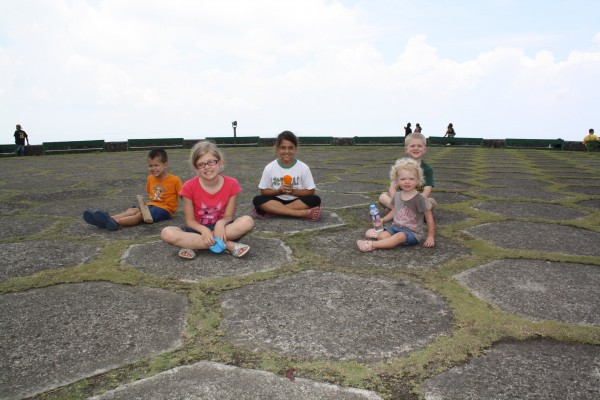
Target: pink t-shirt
x,y
209,208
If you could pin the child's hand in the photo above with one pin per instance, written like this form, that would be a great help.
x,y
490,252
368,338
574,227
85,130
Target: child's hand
x,y
208,238
220,232
286,188
429,242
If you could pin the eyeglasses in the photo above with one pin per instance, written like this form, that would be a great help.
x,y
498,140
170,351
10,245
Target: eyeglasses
x,y
210,163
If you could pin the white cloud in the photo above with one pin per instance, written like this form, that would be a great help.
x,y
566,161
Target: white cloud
x,y
142,66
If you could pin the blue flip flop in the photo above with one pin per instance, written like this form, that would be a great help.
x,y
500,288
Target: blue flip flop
x,y
88,216
102,217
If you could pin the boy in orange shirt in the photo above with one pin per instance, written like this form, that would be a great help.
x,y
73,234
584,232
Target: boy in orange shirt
x,y
163,189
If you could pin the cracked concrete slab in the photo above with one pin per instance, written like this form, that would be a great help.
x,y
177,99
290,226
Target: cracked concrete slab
x,y
539,237
212,381
82,229
61,334
373,319
522,209
288,225
159,258
339,248
26,258
536,369
517,193
507,182
538,290
591,190
19,227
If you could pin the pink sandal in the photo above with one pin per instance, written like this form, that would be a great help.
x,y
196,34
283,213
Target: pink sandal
x,y
365,246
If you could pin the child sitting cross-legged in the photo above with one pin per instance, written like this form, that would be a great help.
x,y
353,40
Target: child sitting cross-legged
x,y
409,207
209,202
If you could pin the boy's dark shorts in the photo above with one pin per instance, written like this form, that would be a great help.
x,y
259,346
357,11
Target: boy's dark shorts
x,y
159,214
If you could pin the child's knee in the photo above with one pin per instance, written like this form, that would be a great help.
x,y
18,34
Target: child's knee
x,y
246,223
169,234
384,198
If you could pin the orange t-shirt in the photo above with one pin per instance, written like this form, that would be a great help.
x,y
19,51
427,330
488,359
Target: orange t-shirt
x,y
164,193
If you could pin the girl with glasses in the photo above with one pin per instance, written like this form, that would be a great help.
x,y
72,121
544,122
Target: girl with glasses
x,y
209,202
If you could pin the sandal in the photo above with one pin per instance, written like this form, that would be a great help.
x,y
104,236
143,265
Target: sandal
x,y
240,250
258,215
371,234
315,214
365,246
188,254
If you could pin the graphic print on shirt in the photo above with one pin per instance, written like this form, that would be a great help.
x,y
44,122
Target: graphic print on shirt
x,y
406,218
277,181
209,215
157,192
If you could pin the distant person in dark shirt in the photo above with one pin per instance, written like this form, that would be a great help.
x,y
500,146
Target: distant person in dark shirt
x,y
407,129
20,139
450,131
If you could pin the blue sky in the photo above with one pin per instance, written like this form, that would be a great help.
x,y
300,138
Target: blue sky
x,y
119,69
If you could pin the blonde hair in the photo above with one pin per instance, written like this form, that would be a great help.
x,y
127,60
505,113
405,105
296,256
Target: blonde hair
x,y
202,148
407,164
415,136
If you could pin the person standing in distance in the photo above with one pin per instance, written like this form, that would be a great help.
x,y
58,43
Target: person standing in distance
x,y
20,139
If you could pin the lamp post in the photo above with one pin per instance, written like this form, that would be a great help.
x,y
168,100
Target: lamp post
x,y
234,125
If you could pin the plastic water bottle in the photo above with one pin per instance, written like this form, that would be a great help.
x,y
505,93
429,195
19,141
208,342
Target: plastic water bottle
x,y
375,218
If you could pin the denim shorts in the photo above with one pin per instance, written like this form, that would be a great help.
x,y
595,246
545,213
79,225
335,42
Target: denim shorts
x,y
159,214
411,239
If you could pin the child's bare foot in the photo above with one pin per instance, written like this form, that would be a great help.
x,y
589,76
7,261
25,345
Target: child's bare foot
x,y
314,214
371,234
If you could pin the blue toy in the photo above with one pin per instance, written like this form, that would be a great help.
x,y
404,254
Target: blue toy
x,y
218,247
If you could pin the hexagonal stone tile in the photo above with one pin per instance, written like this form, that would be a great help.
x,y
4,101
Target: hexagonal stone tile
x,y
60,334
342,200
537,369
288,225
75,207
354,187
82,229
516,193
339,248
26,258
212,381
11,208
592,190
539,237
521,209
537,289
334,316
19,227
160,258
450,198
591,204
506,182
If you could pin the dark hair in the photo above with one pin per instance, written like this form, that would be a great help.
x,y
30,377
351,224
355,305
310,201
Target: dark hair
x,y
286,135
158,153
591,130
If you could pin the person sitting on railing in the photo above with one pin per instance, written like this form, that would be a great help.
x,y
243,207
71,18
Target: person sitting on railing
x,y
590,137
450,131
